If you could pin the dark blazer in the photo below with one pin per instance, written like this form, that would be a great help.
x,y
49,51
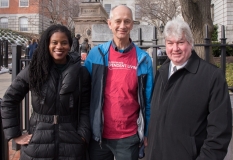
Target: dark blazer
x,y
191,115
64,136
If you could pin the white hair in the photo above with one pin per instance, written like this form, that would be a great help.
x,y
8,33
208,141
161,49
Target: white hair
x,y
176,28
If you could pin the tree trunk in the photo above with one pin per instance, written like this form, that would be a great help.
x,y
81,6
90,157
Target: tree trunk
x,y
197,14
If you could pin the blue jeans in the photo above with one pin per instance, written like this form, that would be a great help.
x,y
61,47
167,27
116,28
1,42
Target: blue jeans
x,y
121,149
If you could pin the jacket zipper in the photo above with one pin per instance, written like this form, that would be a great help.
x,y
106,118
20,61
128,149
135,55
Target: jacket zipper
x,y
103,85
57,113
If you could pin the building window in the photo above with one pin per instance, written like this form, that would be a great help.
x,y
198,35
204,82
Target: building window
x,y
4,3
23,24
137,12
107,8
23,3
4,23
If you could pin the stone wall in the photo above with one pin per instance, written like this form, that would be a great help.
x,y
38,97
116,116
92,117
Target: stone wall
x,y
34,22
229,59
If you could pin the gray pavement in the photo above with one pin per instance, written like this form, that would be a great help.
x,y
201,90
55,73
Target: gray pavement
x,y
5,81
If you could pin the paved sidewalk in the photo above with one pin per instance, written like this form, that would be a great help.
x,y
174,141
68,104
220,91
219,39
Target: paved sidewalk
x,y
5,81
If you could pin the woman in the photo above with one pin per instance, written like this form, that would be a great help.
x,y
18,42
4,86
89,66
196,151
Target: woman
x,y
59,124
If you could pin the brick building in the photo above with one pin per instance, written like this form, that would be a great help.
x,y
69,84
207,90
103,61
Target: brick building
x,y
34,16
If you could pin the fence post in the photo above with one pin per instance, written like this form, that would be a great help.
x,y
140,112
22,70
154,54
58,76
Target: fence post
x,y
27,53
154,53
223,50
1,54
4,143
139,36
207,44
6,54
16,56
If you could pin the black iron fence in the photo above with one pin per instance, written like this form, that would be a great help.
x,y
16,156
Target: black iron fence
x,y
4,53
18,63
207,45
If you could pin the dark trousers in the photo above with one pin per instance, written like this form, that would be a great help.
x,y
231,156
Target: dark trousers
x,y
121,149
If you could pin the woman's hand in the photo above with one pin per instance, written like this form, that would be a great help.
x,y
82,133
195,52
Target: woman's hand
x,y
23,139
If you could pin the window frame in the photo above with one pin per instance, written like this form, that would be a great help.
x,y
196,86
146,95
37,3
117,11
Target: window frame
x,y
4,24
7,1
21,25
23,1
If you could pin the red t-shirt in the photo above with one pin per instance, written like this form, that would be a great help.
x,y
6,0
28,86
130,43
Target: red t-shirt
x,y
121,107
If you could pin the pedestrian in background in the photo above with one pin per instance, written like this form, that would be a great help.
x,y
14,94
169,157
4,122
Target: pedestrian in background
x,y
159,52
75,46
191,115
84,48
122,80
60,98
27,48
32,48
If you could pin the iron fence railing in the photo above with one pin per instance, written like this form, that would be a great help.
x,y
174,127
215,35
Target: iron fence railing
x,y
4,53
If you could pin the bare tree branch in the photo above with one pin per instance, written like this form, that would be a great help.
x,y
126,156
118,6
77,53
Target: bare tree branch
x,y
59,11
156,11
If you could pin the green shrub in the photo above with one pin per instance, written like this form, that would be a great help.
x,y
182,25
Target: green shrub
x,y
217,50
229,74
214,36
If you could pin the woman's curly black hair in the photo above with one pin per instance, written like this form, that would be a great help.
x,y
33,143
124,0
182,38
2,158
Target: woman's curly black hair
x,y
42,61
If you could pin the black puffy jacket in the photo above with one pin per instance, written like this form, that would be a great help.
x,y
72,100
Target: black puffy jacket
x,y
59,128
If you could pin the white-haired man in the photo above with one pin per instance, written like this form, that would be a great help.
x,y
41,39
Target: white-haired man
x,y
191,115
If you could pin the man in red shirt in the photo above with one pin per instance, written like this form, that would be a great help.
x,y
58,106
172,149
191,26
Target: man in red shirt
x,y
121,92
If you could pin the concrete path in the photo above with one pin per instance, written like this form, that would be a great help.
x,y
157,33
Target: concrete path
x,y
5,81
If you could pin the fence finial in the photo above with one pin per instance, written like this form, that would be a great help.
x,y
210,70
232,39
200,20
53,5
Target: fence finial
x,y
222,31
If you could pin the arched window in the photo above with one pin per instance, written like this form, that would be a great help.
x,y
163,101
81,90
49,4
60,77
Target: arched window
x,y
23,24
3,22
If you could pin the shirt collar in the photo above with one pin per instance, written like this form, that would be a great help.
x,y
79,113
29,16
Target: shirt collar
x,y
127,49
178,67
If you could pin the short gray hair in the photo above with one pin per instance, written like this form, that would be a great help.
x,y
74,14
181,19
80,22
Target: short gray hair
x,y
176,28
111,15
